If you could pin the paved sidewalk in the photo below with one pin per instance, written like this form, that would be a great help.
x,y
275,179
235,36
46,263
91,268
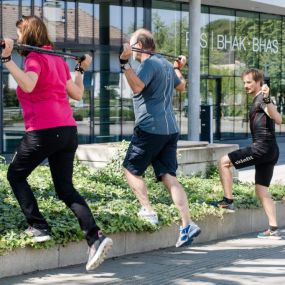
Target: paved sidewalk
x,y
278,175
240,261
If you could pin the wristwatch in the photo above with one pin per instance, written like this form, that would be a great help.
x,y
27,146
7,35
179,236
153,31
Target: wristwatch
x,y
126,66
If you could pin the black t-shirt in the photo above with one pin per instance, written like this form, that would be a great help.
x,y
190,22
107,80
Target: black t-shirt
x,y
262,127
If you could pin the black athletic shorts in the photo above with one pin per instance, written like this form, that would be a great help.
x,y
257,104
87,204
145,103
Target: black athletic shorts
x,y
264,155
150,149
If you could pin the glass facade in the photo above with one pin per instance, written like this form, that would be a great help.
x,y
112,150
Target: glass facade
x,y
231,41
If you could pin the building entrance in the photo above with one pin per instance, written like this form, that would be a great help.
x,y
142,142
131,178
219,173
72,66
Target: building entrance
x,y
211,111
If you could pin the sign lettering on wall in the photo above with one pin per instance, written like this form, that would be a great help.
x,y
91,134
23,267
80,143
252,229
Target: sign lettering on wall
x,y
239,43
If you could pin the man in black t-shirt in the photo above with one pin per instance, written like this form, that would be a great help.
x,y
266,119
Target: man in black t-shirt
x,y
263,152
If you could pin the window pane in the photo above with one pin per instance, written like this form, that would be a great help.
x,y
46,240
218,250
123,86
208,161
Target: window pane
x,y
228,110
241,103
204,41
128,117
53,16
169,25
283,48
128,20
115,25
82,108
70,18
247,35
183,27
26,7
221,32
96,24
38,10
275,88
139,15
81,114
166,27
85,21
107,107
10,14
281,105
270,39
13,126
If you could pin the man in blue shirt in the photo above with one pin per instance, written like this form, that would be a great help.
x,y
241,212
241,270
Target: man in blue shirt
x,y
156,132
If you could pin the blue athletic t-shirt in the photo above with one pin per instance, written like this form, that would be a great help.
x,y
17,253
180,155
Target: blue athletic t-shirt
x,y
153,105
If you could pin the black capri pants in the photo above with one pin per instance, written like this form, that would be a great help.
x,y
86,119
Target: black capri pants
x,y
59,146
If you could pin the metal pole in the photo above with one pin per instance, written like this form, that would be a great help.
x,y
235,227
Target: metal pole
x,y
104,36
194,73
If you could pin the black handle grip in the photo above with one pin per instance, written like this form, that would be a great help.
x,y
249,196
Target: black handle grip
x,y
2,44
81,58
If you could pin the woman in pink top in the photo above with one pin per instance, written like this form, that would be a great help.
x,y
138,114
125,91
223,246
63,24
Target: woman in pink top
x,y
43,89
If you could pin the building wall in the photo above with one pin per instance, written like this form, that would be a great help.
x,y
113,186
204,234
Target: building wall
x,y
231,40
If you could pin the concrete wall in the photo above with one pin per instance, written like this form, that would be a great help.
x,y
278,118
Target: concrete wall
x,y
241,222
193,157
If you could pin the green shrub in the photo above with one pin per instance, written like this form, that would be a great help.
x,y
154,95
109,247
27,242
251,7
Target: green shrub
x,y
111,201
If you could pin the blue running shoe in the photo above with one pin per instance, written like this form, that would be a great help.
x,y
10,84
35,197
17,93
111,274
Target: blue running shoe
x,y
187,234
188,243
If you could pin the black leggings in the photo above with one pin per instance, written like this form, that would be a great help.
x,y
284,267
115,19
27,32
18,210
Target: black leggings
x,y
59,146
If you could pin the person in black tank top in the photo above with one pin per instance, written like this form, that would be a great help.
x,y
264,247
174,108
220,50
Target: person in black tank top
x,y
263,153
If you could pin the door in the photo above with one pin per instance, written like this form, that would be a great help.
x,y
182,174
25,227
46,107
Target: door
x,y
211,94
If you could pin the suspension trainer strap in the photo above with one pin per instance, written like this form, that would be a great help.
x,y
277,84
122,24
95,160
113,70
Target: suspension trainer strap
x,y
43,50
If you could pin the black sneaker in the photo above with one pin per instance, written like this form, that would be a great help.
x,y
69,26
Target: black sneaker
x,y
224,205
38,235
98,251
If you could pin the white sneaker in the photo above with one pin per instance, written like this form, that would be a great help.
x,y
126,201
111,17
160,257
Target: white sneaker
x,y
151,217
38,235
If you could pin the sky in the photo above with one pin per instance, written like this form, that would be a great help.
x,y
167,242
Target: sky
x,y
280,3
